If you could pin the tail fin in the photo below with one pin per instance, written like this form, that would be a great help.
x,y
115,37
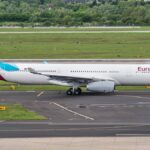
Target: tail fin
x,y
8,67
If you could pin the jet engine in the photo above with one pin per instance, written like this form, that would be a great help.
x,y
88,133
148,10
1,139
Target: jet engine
x,y
101,86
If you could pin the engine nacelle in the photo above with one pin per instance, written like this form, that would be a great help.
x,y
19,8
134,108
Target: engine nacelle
x,y
101,86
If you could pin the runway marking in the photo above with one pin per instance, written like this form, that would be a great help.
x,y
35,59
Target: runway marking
x,y
41,93
71,111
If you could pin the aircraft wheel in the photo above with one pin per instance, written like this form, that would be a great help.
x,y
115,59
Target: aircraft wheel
x,y
69,92
77,91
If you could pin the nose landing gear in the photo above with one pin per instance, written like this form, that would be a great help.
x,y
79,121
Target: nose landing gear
x,y
72,91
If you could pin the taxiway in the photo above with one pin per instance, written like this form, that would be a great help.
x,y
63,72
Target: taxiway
x,y
122,113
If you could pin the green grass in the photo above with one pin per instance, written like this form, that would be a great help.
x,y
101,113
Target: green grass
x,y
12,87
110,45
131,88
18,112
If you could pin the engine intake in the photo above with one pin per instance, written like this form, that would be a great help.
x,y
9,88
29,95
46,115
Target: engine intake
x,y
101,86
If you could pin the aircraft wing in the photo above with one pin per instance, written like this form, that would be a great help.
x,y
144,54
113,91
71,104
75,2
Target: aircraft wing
x,y
68,78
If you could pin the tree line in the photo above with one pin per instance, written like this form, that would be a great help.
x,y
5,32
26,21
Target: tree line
x,y
60,13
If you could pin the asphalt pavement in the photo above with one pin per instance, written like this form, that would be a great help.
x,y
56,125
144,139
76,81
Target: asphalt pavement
x,y
118,114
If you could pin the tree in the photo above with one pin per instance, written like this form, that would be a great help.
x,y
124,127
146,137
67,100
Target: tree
x,y
42,2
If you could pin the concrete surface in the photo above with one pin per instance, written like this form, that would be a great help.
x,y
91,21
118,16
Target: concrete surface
x,y
87,143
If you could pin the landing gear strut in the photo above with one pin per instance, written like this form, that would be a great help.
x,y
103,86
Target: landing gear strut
x,y
72,91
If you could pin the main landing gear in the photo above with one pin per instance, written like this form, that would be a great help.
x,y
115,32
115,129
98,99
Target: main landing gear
x,y
72,91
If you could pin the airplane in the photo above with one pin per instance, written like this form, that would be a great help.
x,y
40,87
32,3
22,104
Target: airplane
x,y
95,77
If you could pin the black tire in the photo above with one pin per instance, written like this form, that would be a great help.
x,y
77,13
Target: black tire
x,y
80,90
77,91
69,92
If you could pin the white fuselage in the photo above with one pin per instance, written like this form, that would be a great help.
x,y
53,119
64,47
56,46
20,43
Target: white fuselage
x,y
121,74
